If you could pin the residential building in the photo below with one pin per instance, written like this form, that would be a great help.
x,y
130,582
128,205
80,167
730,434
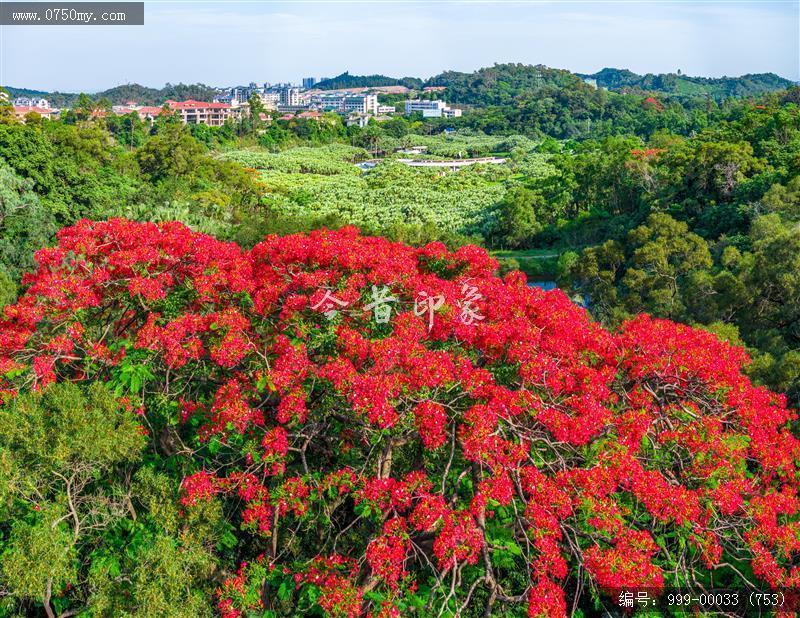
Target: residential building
x,y
431,109
307,115
31,102
269,99
20,111
200,112
290,96
149,112
308,82
358,120
345,103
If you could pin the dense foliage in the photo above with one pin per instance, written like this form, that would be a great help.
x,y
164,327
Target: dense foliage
x,y
345,80
701,230
325,182
59,172
495,451
676,83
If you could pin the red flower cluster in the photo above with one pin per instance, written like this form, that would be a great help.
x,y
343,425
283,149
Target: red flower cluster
x,y
363,458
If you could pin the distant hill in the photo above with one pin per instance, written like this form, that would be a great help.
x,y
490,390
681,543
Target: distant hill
x,y
122,94
345,80
156,96
675,84
503,83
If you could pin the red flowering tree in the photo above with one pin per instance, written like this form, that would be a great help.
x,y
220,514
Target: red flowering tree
x,y
395,429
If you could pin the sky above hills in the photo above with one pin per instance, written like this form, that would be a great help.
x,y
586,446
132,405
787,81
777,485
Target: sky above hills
x,y
235,42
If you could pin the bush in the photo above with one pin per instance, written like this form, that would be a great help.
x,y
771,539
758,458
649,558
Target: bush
x,y
490,450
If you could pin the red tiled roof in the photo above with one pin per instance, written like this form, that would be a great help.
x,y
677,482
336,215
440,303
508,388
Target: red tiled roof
x,y
26,109
149,109
192,104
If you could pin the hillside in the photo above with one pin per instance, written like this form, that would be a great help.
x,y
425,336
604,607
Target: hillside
x,y
503,83
345,80
677,84
122,94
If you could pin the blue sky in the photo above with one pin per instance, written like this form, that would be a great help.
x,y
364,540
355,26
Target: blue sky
x,y
229,42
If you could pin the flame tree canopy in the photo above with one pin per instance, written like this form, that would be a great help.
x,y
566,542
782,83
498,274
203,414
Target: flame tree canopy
x,y
390,430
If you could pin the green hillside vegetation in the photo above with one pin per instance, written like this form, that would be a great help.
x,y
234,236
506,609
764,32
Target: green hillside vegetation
x,y
324,183
675,83
345,80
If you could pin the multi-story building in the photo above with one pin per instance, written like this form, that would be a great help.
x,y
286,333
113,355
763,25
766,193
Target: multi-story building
x,y
290,96
32,102
346,103
308,82
362,103
431,109
269,99
200,112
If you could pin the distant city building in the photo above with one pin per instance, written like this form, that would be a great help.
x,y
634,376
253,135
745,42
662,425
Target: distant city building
x,y
239,95
431,109
289,96
270,99
308,82
32,102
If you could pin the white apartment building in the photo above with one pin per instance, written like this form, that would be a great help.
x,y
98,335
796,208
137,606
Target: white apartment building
x,y
362,103
345,103
431,109
289,96
32,102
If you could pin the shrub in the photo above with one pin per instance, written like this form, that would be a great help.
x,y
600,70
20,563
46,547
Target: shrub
x,y
499,449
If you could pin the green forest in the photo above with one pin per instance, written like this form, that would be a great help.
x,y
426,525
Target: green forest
x,y
666,195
